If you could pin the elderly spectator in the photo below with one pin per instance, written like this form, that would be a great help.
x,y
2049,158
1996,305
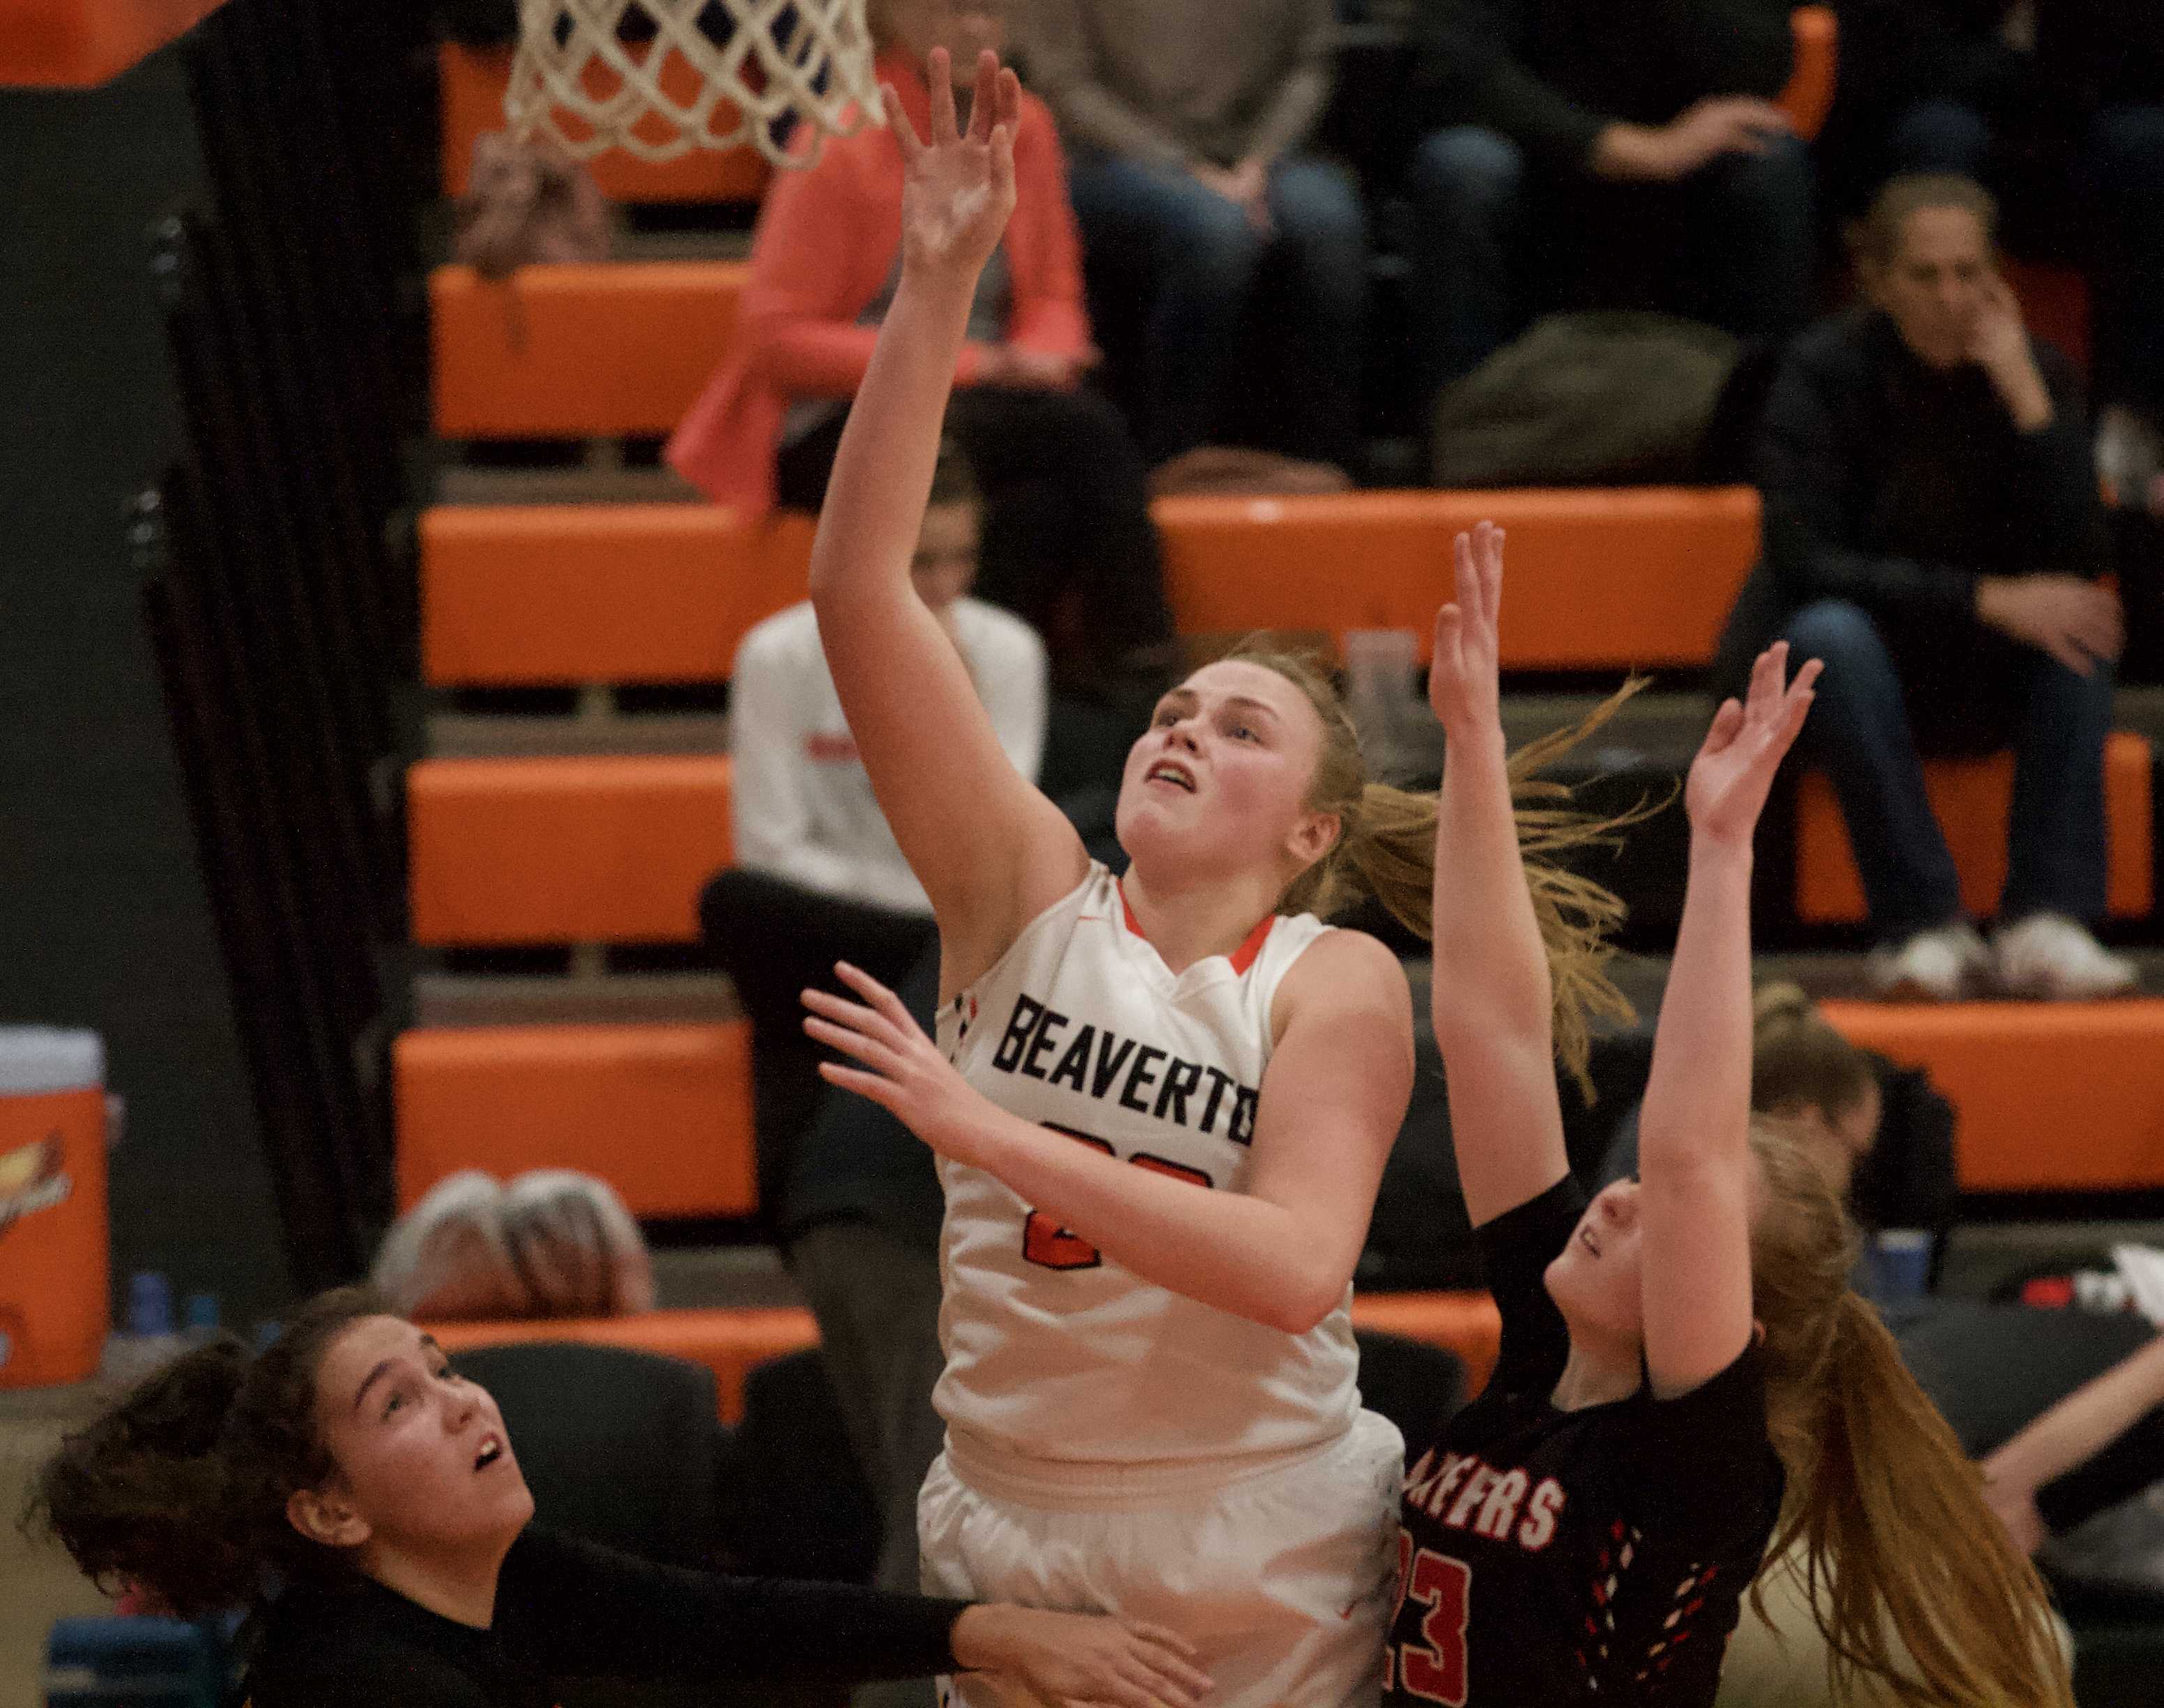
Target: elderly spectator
x,y
1594,155
1933,532
1186,121
1067,542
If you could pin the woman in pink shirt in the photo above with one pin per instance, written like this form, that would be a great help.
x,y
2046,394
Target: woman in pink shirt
x,y
1068,544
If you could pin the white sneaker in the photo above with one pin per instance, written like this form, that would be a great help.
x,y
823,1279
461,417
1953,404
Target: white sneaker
x,y
1937,966
2049,957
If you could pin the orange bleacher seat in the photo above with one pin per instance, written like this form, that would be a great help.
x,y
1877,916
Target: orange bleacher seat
x,y
731,1342
473,80
563,850
79,44
1599,579
587,592
1809,97
662,1112
2051,1097
1972,797
577,351
1466,1324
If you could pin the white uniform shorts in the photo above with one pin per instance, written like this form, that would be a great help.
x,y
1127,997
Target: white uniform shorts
x,y
1283,1579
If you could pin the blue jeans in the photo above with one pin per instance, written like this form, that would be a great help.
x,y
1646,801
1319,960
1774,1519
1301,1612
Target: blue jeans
x,y
1861,734
2119,172
1201,258
1494,241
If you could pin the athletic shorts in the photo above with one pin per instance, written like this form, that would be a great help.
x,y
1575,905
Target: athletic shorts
x,y
1283,1578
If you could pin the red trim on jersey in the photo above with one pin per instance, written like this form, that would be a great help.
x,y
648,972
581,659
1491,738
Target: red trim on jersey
x,y
1242,957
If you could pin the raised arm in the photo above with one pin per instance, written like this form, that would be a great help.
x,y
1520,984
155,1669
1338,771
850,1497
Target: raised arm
x,y
1493,1006
1694,1170
989,851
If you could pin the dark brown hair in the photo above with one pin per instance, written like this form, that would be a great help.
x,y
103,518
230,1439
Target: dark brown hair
x,y
182,1487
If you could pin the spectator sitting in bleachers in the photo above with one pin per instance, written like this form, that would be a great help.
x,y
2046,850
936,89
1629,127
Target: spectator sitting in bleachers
x,y
2062,108
818,878
1933,532
1883,1131
1068,544
1588,155
1186,122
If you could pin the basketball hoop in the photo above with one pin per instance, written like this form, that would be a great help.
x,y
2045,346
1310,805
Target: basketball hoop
x,y
646,76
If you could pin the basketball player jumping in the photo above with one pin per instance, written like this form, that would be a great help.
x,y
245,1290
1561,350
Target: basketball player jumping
x,y
1684,1369
1162,1103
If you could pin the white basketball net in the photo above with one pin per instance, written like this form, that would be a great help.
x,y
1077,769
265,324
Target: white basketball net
x,y
642,75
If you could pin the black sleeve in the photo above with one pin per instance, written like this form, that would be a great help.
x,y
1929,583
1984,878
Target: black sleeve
x,y
1515,1250
410,1679
2068,532
577,1609
1469,58
1814,453
1704,1478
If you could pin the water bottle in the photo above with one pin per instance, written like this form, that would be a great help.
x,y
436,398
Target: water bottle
x,y
147,1341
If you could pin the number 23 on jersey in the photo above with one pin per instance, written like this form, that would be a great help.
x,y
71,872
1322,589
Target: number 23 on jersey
x,y
1048,1245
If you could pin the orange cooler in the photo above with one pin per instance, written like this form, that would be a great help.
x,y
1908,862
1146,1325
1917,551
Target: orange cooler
x,y
55,1281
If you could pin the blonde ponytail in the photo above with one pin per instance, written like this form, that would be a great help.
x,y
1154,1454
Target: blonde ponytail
x,y
1909,1577
1385,849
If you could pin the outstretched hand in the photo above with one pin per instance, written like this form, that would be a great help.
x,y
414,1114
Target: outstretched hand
x,y
1461,682
1729,780
957,186
902,1071
1081,1658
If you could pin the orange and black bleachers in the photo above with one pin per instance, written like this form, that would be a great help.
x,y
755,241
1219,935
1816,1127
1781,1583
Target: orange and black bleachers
x,y
613,850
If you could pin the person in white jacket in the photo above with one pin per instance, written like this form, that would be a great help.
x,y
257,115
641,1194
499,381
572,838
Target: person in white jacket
x,y
818,877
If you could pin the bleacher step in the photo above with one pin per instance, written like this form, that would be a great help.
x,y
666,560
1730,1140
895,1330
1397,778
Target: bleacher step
x,y
509,735
443,999
461,483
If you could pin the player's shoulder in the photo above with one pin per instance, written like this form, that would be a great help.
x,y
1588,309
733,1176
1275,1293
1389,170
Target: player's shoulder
x,y
1342,971
785,638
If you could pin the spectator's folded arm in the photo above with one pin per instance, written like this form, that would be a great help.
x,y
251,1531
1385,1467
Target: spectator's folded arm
x,y
2071,534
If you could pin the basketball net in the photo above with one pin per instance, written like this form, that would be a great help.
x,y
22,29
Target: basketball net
x,y
645,76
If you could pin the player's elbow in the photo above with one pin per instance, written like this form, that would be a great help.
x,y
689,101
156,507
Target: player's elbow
x,y
1303,1300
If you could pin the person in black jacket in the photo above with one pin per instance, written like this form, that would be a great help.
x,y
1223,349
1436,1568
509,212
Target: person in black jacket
x,y
352,1466
1884,1131
1933,532
1588,155
2059,106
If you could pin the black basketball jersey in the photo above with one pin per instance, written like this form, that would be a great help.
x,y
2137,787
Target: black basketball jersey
x,y
1598,1555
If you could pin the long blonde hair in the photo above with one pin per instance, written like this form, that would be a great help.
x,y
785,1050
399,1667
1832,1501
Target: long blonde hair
x,y
1910,1576
1385,848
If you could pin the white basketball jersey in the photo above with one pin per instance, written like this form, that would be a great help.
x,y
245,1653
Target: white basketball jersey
x,y
1054,1351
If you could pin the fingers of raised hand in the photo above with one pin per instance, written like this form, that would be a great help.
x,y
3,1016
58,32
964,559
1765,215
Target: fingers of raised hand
x,y
1725,723
1767,677
985,96
939,73
1491,568
905,132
